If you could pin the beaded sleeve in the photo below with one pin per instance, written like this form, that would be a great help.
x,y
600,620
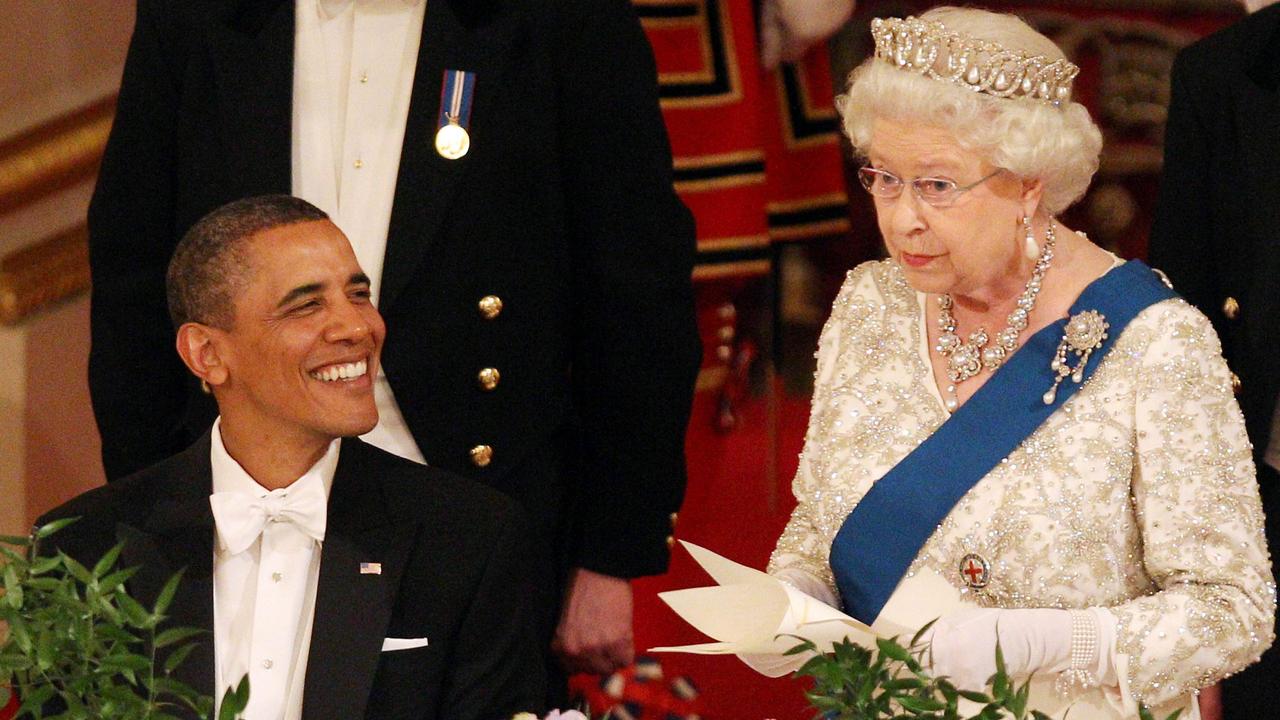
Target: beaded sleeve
x,y
1195,497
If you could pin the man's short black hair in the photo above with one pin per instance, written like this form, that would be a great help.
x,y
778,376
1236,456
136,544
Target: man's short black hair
x,y
210,264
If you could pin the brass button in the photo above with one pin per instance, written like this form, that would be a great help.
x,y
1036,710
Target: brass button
x,y
1231,308
488,378
481,455
671,541
673,518
490,306
1236,384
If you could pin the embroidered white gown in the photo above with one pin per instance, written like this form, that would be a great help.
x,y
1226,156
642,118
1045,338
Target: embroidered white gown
x,y
1138,495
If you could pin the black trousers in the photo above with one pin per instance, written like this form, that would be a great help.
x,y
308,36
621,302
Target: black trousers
x,y
1254,693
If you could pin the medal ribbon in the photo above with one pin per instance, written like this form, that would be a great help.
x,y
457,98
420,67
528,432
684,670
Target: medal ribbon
x,y
884,533
456,94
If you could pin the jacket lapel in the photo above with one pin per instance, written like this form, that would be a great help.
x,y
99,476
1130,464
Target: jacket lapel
x,y
253,65
464,35
178,536
353,604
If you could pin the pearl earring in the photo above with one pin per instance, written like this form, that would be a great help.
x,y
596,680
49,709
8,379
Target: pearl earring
x,y
1030,247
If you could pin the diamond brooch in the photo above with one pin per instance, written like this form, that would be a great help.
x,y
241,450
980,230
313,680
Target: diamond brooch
x,y
1084,333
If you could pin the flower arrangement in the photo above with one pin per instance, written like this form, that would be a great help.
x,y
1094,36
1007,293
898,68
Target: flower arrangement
x,y
892,681
76,641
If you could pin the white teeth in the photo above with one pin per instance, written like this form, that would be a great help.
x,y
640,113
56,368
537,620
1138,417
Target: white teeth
x,y
349,371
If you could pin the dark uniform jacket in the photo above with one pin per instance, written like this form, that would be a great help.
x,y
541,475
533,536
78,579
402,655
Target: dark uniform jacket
x,y
454,570
1217,236
562,213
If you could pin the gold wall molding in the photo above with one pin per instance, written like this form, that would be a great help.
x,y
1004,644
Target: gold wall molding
x,y
43,274
36,163
55,155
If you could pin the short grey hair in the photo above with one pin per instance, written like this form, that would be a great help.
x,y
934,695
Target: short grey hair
x,y
210,264
1059,145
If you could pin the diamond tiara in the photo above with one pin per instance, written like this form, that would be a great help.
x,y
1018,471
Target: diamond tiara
x,y
928,48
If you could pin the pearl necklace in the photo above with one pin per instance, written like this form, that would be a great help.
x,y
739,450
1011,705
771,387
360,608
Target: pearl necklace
x,y
967,358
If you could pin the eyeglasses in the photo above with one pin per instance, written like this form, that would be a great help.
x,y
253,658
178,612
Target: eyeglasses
x,y
937,192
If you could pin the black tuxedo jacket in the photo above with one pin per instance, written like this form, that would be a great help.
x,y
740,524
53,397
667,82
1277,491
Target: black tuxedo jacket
x,y
563,209
454,570
1217,227
1217,235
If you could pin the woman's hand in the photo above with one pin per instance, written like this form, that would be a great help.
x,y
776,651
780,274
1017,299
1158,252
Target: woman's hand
x,y
963,644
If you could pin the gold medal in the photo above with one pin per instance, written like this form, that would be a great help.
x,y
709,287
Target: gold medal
x,y
452,141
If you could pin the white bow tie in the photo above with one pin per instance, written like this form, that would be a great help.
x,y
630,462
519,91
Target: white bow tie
x,y
240,518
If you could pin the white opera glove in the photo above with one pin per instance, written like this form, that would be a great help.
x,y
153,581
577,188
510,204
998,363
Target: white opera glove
x,y
1079,644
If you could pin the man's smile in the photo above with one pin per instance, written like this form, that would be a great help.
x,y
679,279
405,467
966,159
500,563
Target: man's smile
x,y
341,371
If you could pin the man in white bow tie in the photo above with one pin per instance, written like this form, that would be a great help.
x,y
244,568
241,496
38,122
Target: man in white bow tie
x,y
344,581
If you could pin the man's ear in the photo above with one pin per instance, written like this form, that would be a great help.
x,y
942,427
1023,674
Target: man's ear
x,y
200,350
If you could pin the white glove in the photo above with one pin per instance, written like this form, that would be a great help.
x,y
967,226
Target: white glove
x,y
1032,640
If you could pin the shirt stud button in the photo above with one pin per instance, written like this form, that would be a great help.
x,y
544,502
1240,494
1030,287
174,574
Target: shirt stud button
x,y
277,577
268,664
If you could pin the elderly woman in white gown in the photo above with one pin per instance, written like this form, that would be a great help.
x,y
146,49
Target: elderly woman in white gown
x,y
1009,412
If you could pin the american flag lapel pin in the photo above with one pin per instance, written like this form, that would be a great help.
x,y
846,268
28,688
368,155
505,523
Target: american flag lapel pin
x,y
368,568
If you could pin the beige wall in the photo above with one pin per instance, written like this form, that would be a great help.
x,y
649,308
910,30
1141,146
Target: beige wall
x,y
58,56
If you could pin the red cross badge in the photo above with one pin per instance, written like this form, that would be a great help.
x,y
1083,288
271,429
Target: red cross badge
x,y
975,570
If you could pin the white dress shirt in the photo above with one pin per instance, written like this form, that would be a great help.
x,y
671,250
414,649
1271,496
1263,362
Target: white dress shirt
x,y
264,597
353,75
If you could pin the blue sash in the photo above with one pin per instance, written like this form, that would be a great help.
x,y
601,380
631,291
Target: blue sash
x,y
884,533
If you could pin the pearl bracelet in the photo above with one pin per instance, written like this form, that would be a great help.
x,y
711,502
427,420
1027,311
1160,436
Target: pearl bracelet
x,y
1081,674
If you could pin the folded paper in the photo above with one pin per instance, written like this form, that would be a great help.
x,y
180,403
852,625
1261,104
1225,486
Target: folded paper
x,y
758,617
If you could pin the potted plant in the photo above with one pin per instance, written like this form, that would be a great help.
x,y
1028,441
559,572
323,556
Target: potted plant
x,y
72,639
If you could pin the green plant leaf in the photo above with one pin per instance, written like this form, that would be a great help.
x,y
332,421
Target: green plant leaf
x,y
46,530
903,684
893,650
178,690
976,697
235,701
177,657
176,635
915,639
107,561
40,566
112,581
126,662
166,595
13,593
804,646
78,571
920,704
134,612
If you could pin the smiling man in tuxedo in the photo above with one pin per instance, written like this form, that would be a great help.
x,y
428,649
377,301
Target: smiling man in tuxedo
x,y
344,581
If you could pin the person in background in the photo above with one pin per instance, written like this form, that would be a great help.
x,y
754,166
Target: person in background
x,y
1009,416
1215,235
504,176
345,581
